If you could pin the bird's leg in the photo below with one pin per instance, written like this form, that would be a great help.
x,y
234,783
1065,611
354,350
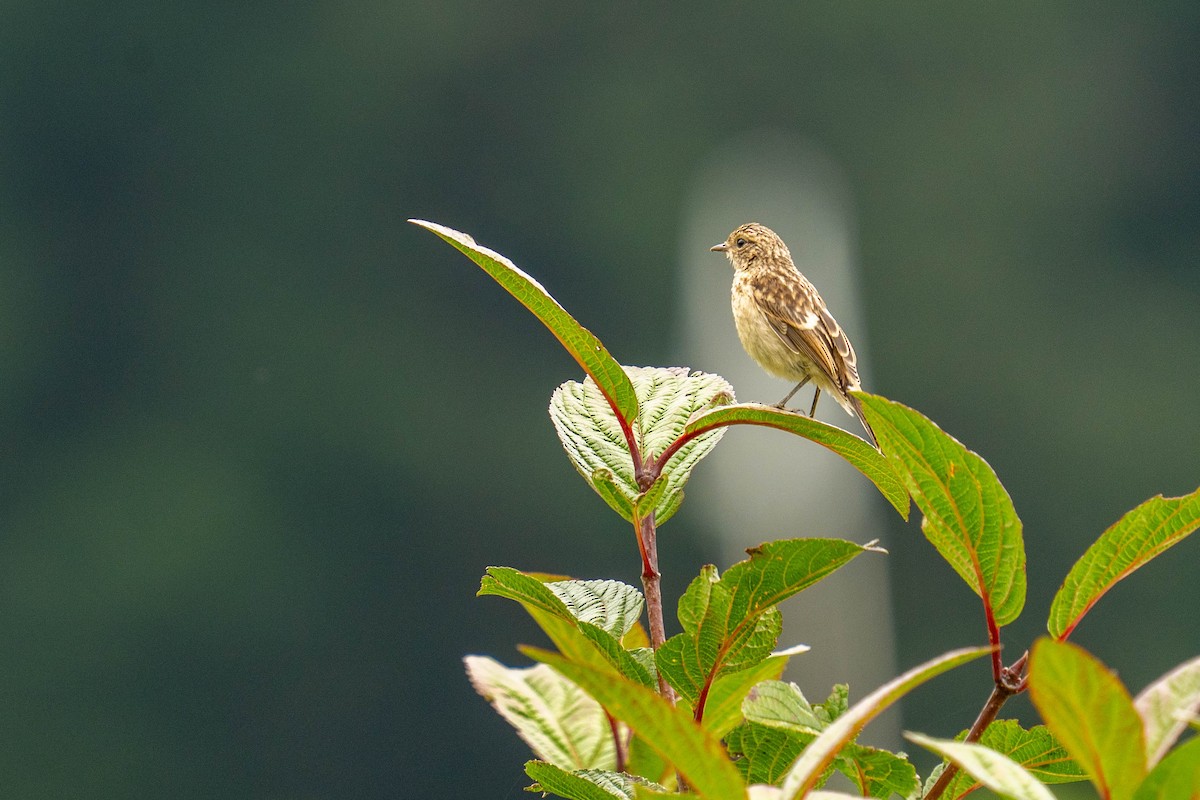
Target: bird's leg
x,y
783,403
816,396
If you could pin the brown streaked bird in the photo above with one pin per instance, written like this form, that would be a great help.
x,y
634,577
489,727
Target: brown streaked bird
x,y
783,322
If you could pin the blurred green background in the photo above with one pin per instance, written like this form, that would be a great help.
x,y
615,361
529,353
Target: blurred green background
x,y
261,437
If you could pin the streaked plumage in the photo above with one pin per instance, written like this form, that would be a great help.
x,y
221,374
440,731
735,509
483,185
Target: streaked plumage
x,y
783,322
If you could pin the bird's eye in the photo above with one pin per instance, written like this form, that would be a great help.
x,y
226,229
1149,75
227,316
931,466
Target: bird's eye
x,y
740,242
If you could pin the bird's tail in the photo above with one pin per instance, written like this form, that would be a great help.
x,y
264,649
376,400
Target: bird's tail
x,y
858,412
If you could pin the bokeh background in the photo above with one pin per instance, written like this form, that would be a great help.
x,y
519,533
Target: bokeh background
x,y
261,437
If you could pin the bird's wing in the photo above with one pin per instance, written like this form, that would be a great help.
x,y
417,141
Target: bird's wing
x,y
802,323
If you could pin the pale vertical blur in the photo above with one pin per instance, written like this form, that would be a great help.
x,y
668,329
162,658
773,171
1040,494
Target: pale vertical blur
x,y
763,484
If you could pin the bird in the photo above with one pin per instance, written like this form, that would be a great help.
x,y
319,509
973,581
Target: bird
x,y
784,324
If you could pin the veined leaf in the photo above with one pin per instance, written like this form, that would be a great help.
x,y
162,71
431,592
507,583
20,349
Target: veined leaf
x,y
611,605
591,784
781,705
877,772
1140,535
723,710
1091,713
860,455
557,719
583,346
805,773
1165,707
595,442
731,623
995,771
670,731
578,639
1036,750
781,722
1177,777
969,516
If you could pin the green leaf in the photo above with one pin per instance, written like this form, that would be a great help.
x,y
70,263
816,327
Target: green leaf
x,y
589,784
1036,750
578,639
969,516
1091,713
559,722
1140,535
995,771
878,773
765,754
1165,707
805,773
1177,777
731,623
723,710
670,731
611,605
781,722
595,442
860,455
781,705
583,346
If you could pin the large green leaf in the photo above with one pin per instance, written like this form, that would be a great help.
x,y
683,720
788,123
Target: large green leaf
x,y
969,516
1091,713
1166,706
1036,750
1133,540
860,455
807,771
595,441
557,719
1177,777
997,772
670,731
730,623
583,346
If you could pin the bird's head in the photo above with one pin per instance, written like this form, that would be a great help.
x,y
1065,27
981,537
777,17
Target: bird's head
x,y
752,245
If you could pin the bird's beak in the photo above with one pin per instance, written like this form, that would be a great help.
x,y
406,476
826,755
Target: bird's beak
x,y
719,248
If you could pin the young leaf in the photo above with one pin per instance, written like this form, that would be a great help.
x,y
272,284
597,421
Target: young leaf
x,y
610,605
583,346
782,722
995,771
557,719
969,516
860,455
765,754
723,709
590,784
781,705
583,785
731,623
1036,750
1091,713
578,639
1177,777
595,441
670,731
878,773
1133,540
805,773
1166,706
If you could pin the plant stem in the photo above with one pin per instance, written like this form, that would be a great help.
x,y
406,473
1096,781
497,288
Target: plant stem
x,y
1009,682
652,587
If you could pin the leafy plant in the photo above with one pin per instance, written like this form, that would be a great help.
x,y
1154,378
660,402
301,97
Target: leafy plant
x,y
619,711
